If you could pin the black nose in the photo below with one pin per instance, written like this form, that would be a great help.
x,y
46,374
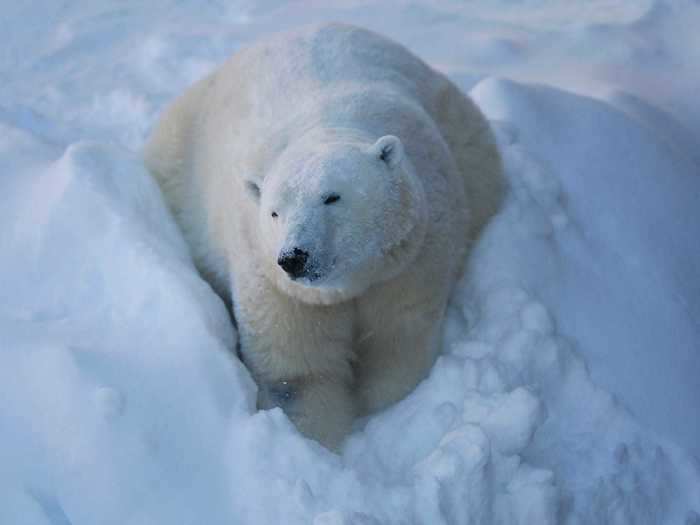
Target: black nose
x,y
293,262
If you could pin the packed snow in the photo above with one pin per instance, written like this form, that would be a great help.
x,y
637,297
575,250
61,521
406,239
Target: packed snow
x,y
568,385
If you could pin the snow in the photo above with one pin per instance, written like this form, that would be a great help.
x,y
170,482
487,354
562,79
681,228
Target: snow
x,y
567,390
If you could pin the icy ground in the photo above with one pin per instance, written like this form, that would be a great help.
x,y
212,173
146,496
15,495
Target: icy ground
x,y
569,386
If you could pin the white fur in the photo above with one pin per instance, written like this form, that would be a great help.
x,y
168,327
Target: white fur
x,y
282,125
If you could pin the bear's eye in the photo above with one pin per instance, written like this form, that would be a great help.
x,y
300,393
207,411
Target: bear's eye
x,y
274,214
330,199
253,189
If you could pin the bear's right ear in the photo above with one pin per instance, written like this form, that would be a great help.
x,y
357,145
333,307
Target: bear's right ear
x,y
388,149
252,188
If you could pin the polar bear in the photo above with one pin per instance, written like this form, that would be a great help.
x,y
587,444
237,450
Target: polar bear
x,y
329,184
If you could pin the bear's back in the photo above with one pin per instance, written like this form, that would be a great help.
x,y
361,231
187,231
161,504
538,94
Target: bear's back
x,y
301,64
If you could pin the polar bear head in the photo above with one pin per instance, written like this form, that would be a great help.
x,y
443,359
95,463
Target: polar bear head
x,y
336,216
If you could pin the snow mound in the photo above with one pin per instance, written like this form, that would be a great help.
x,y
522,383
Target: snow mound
x,y
99,395
620,267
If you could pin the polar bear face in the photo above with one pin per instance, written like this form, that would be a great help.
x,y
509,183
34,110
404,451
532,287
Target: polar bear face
x,y
338,216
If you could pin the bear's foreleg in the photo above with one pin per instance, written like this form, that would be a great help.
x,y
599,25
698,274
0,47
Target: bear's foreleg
x,y
300,357
398,344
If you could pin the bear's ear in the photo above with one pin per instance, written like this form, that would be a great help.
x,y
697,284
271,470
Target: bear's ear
x,y
252,188
388,149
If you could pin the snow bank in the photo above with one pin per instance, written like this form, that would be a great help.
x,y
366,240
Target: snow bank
x,y
107,411
121,401
621,262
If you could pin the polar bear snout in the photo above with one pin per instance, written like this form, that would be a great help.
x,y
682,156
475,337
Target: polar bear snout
x,y
294,262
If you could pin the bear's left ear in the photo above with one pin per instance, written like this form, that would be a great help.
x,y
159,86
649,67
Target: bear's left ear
x,y
388,149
